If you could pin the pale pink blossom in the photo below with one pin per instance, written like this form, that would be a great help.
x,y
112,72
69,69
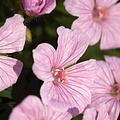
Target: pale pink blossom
x,y
12,39
93,114
106,88
38,7
65,85
31,108
99,19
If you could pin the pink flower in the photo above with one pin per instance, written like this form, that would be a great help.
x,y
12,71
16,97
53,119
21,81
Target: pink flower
x,y
31,108
38,7
93,114
98,19
12,39
64,81
106,89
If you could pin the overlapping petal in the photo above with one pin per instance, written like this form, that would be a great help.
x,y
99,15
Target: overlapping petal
x,y
113,105
12,35
105,77
68,95
93,114
79,7
31,108
83,73
50,114
89,27
102,90
89,114
103,113
114,63
10,69
44,57
71,46
114,109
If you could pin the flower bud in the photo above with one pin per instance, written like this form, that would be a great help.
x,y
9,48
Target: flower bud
x,y
38,7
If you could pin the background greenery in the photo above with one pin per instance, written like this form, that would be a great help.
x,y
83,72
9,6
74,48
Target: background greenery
x,y
40,29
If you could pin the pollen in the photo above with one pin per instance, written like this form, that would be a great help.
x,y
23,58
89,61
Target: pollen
x,y
100,13
60,75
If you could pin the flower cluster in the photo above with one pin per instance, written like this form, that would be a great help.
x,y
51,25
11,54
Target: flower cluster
x,y
70,87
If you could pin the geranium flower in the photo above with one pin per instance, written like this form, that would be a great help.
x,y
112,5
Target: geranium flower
x,y
12,39
93,114
98,19
64,83
31,108
38,7
106,88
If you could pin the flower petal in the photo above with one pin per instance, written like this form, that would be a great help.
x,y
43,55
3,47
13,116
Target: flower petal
x,y
29,109
103,113
89,27
106,3
44,56
51,114
10,69
93,114
83,73
49,6
89,114
12,35
114,109
105,80
79,7
111,28
68,95
112,104
71,46
114,63
38,7
101,93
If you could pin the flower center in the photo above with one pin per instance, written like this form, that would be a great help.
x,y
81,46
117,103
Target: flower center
x,y
100,13
60,75
116,91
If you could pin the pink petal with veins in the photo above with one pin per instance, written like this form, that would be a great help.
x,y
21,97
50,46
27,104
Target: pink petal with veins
x,y
114,63
68,95
31,108
79,7
89,27
71,46
44,57
12,35
106,3
10,70
83,73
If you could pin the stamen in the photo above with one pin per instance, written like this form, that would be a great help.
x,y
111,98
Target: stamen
x,y
117,86
99,13
115,91
60,75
